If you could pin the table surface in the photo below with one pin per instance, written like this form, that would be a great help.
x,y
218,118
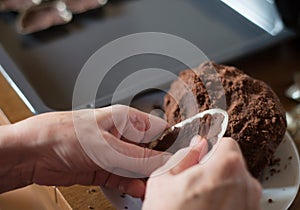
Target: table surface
x,y
275,65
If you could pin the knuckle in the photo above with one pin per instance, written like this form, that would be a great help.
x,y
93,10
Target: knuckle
x,y
118,107
231,143
228,139
233,159
232,166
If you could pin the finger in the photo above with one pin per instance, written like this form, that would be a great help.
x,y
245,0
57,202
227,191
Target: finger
x,y
197,141
184,158
226,161
60,178
130,186
132,124
230,144
225,146
134,187
130,157
254,194
199,149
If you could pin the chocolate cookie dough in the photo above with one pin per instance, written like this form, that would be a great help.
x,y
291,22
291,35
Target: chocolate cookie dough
x,y
256,117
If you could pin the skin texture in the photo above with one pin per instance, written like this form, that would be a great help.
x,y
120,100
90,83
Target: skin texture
x,y
45,149
220,183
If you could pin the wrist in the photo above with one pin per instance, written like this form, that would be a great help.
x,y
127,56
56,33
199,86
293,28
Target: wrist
x,y
17,161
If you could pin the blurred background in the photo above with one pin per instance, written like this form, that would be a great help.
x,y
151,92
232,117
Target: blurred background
x,y
44,44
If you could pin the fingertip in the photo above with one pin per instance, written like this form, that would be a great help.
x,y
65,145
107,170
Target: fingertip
x,y
156,127
199,144
196,140
135,187
202,147
156,119
142,127
193,156
230,143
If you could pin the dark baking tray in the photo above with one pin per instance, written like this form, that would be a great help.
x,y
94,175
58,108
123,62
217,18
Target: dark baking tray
x,y
43,67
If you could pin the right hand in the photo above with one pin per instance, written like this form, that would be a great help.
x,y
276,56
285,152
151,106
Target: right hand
x,y
221,183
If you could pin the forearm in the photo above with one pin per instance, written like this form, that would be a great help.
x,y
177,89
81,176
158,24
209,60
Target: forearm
x,y
16,161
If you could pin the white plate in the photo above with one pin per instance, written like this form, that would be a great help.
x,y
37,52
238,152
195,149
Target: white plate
x,y
279,188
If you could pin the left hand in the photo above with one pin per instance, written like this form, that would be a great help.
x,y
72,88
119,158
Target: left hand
x,y
49,152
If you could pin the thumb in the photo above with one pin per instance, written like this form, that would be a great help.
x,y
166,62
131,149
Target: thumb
x,y
185,158
132,124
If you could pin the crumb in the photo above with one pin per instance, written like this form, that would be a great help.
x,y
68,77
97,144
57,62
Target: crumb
x,y
272,171
275,165
270,200
91,191
90,207
275,162
290,157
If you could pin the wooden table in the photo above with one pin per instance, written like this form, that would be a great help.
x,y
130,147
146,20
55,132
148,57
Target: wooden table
x,y
275,65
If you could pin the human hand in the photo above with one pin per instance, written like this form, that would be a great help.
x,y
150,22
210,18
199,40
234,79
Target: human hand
x,y
53,149
221,183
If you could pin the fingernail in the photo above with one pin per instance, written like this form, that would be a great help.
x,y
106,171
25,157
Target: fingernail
x,y
196,140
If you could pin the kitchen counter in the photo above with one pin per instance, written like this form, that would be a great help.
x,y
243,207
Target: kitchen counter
x,y
275,65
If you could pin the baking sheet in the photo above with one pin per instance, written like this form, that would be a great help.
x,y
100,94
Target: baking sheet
x,y
45,65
